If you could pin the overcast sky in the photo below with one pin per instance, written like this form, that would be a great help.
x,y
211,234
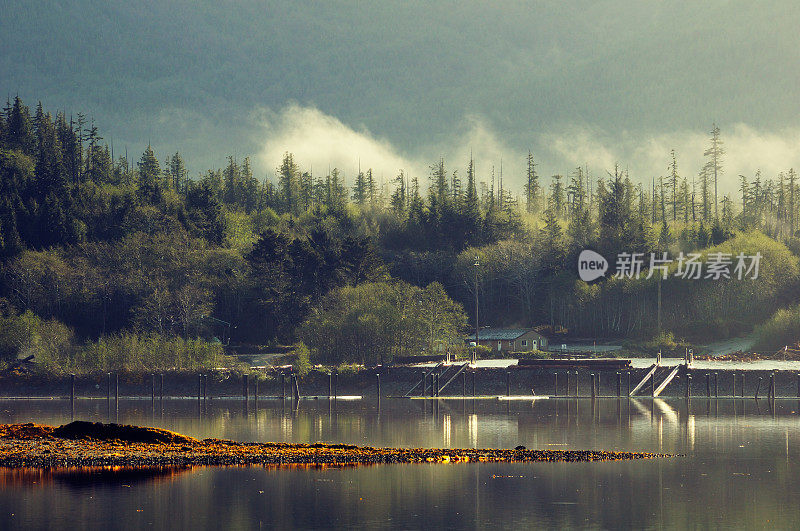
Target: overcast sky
x,y
397,84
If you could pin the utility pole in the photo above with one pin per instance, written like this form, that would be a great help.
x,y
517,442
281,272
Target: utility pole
x,y
659,304
477,263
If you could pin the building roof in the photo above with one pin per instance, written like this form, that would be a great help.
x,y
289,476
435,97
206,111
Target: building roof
x,y
497,334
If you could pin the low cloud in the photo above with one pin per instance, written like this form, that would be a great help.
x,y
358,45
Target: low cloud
x,y
747,150
320,141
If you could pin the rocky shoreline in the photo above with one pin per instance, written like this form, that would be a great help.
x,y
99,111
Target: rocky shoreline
x,y
86,444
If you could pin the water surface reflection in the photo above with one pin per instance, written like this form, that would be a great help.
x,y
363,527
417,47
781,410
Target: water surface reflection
x,y
740,468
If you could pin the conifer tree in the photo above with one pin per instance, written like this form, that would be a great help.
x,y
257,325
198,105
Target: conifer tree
x,y
672,183
727,214
685,197
398,200
10,241
178,173
557,196
576,193
336,197
149,185
457,198
289,184
439,187
791,206
230,182
713,168
360,189
19,128
50,175
532,187
371,188
416,208
471,209
3,128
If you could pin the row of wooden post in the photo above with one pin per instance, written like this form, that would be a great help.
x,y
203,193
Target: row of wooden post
x,y
712,383
594,381
202,387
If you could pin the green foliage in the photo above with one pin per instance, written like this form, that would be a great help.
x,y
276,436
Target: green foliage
x,y
373,322
239,230
135,353
301,360
55,349
25,335
664,342
780,330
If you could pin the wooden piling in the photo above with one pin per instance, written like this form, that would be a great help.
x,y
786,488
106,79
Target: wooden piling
x,y
161,386
591,383
555,384
619,384
296,389
508,383
742,384
330,385
688,386
245,387
473,383
72,387
464,383
771,393
716,386
283,387
758,387
798,386
199,387
108,388
116,389
255,391
708,385
733,394
378,384
653,385
153,388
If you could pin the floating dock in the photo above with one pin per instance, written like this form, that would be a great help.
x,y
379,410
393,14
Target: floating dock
x,y
608,364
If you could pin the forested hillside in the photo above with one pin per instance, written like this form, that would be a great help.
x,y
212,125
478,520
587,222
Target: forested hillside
x,y
100,245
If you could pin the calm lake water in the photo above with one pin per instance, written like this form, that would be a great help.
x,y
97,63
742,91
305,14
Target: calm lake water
x,y
741,467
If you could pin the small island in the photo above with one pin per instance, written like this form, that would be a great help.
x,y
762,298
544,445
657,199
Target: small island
x,y
87,444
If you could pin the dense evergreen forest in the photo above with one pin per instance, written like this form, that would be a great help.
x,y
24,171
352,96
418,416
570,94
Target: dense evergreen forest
x,y
96,246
